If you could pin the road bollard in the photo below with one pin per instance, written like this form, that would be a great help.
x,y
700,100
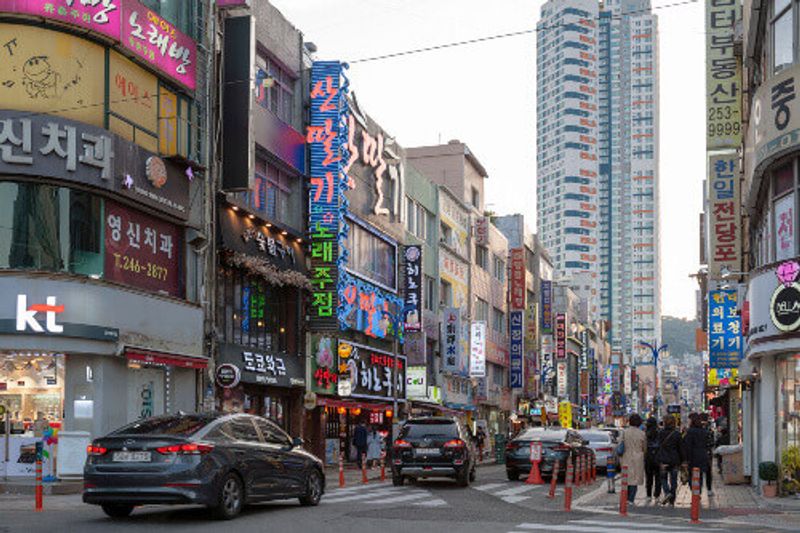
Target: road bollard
x,y
593,469
341,469
383,466
535,477
582,470
576,480
39,491
695,513
568,486
554,479
611,471
623,494
364,468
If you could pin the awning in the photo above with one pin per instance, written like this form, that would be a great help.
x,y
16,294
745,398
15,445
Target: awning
x,y
350,404
149,357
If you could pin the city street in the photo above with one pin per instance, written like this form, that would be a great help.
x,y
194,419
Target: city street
x,y
491,504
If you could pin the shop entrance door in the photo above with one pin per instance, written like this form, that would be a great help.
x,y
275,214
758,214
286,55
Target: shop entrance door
x,y
145,393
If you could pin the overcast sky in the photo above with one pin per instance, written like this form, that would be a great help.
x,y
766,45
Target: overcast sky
x,y
485,95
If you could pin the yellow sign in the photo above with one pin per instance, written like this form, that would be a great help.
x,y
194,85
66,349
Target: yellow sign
x,y
565,414
46,71
132,101
167,122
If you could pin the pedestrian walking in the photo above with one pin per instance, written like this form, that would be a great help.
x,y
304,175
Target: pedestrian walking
x,y
360,441
374,447
634,444
669,459
480,437
651,468
710,441
695,446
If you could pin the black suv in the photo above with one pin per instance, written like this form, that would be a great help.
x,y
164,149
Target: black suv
x,y
433,447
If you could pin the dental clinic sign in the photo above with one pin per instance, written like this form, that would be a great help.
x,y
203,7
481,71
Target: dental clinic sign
x,y
32,317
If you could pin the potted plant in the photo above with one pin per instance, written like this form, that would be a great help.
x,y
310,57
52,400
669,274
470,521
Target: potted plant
x,y
768,471
790,464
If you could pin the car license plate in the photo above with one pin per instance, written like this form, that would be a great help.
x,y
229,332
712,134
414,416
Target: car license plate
x,y
131,457
427,451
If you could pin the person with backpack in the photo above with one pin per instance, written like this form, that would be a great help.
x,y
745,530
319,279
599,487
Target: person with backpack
x,y
651,469
669,459
695,442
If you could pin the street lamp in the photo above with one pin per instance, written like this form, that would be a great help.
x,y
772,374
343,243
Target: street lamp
x,y
655,351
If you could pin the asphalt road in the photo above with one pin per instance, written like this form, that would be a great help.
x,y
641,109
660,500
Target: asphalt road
x,y
491,504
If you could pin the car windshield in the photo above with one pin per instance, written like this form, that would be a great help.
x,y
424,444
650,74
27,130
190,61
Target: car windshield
x,y
179,426
419,430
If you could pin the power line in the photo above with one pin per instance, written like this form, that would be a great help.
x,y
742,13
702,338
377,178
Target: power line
x,y
509,34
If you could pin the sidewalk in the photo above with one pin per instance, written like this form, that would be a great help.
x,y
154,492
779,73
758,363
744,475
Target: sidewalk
x,y
27,486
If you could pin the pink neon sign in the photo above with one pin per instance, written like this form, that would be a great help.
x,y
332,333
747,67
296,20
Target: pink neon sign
x,y
159,43
102,16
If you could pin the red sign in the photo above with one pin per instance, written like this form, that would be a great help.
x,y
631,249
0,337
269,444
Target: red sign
x,y
517,279
142,251
561,336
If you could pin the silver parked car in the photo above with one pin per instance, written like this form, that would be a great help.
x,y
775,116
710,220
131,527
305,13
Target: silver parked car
x,y
604,445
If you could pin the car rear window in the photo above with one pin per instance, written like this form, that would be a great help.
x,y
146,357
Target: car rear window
x,y
418,430
179,426
596,437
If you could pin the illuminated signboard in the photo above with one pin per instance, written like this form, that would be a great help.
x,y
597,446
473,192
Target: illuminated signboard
x,y
324,364
102,17
516,375
517,297
725,218
477,358
413,283
561,336
724,330
370,372
326,136
547,306
369,309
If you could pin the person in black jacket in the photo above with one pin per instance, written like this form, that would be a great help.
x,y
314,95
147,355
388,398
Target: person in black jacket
x,y
710,445
695,451
669,459
651,469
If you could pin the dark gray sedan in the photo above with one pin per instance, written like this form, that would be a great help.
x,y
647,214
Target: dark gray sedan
x,y
221,461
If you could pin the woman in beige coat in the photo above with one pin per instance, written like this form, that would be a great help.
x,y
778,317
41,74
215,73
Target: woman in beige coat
x,y
633,454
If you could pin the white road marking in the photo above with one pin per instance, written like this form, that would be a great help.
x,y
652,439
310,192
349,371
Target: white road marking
x,y
491,486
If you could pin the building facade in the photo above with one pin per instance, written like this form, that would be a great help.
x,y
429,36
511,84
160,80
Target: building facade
x,y
103,226
597,159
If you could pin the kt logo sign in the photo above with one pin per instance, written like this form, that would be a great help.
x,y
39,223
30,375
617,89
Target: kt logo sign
x,y
26,315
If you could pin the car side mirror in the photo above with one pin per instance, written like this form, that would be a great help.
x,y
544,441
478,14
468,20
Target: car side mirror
x,y
297,442
585,442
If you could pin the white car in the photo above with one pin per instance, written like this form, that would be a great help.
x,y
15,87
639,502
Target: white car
x,y
604,445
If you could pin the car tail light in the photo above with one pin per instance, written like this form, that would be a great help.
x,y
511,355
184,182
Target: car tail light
x,y
95,450
603,449
400,443
455,443
193,448
561,448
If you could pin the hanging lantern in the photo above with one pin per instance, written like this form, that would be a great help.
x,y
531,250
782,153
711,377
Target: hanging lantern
x,y
341,410
356,411
388,413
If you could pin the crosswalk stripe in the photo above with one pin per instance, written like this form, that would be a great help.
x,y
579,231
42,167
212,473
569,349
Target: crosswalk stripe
x,y
514,491
357,488
404,498
490,486
352,497
431,503
636,525
514,499
591,529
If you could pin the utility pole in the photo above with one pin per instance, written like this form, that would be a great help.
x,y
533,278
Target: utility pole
x,y
655,351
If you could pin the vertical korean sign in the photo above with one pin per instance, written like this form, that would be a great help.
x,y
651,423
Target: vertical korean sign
x,y
724,213
547,306
561,336
724,330
451,326
516,374
517,279
477,357
723,76
413,284
325,137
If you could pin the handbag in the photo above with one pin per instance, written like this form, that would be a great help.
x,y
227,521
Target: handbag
x,y
621,449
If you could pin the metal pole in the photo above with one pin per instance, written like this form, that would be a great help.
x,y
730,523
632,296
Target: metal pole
x,y
390,440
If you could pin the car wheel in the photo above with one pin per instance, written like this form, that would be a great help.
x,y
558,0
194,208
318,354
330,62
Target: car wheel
x,y
513,475
230,499
397,481
313,489
117,510
463,478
